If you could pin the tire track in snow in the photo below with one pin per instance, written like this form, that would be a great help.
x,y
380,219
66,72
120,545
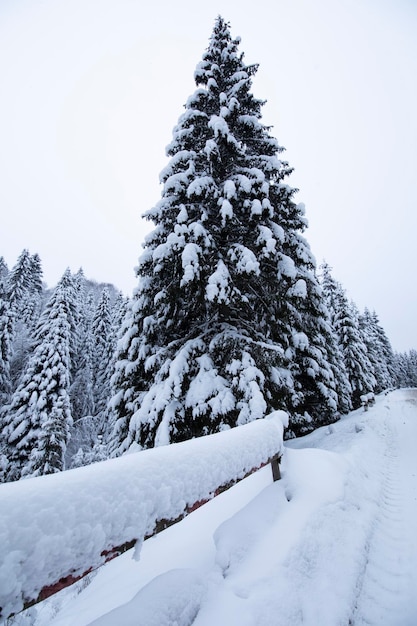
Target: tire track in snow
x,y
383,585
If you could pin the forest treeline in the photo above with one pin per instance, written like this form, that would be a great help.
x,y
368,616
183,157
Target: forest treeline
x,y
59,352
231,318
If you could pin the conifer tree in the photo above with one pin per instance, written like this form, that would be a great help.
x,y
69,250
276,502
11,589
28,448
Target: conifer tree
x,y
119,312
5,348
82,311
315,399
205,343
379,350
412,368
25,296
406,368
400,365
67,286
47,456
31,302
104,347
358,365
82,386
345,322
91,389
120,307
39,417
19,279
4,270
36,273
5,378
331,290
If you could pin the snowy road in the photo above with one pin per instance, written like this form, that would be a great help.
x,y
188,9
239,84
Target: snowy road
x,y
387,592
334,543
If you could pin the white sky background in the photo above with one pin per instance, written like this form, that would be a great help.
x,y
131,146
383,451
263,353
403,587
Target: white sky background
x,y
90,91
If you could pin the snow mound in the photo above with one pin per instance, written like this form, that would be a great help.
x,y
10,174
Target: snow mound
x,y
171,598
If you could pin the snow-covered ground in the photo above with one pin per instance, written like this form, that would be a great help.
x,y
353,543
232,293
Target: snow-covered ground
x,y
333,543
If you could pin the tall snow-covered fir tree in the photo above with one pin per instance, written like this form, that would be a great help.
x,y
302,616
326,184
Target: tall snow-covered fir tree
x,y
313,347
25,296
379,350
82,385
331,289
39,417
31,304
103,350
210,337
19,278
5,348
345,321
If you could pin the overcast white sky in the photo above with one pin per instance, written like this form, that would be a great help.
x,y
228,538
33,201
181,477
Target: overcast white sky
x,y
90,91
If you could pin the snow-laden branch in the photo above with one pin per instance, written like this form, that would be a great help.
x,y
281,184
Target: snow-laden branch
x,y
56,528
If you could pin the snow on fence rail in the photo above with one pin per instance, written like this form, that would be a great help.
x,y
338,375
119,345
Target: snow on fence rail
x,y
55,529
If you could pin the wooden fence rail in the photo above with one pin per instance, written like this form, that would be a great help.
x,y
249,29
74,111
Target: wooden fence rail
x,y
56,529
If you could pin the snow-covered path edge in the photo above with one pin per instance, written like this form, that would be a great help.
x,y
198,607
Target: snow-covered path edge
x,y
305,550
387,593
306,567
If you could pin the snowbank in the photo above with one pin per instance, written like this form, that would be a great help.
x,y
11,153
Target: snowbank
x,y
64,524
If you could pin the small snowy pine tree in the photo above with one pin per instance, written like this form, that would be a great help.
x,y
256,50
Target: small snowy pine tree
x,y
103,350
358,366
39,417
19,279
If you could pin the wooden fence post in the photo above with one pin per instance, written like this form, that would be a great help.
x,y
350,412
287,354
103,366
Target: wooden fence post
x,y
276,474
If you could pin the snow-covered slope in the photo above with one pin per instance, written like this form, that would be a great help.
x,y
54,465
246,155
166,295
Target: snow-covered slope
x,y
332,543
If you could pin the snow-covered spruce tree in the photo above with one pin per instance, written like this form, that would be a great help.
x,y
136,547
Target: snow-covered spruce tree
x,y
5,348
5,379
31,303
47,457
19,278
82,386
379,350
331,289
412,368
82,377
25,296
110,325
357,363
400,364
82,313
39,416
119,312
406,368
4,270
205,343
36,275
91,387
103,342
313,347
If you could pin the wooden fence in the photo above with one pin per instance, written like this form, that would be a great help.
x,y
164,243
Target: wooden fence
x,y
60,521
